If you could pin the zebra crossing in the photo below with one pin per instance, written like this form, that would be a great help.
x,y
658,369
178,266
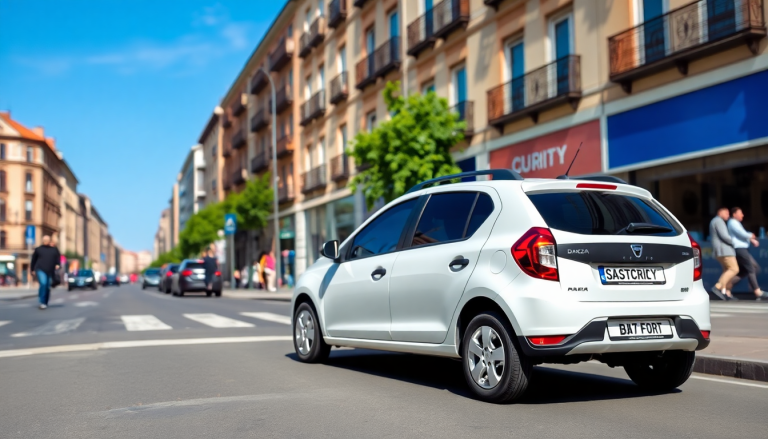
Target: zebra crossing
x,y
148,322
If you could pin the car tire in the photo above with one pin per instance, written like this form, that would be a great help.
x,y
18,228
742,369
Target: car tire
x,y
69,288
209,293
218,293
661,371
143,287
500,383
307,337
180,293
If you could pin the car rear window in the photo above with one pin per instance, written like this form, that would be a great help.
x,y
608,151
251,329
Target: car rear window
x,y
85,273
193,265
152,272
601,213
173,268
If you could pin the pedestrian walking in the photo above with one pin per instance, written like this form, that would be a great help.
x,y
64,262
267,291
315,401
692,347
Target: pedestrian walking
x,y
722,248
269,271
211,266
741,241
45,262
236,275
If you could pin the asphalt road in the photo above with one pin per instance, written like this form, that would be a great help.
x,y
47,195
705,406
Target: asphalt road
x,y
252,386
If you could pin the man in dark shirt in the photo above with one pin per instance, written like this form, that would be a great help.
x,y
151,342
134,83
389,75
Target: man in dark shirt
x,y
211,265
45,261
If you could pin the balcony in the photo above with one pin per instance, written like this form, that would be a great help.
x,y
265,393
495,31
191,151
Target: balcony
x,y
536,91
238,139
421,34
364,72
360,3
227,183
337,13
261,161
304,47
238,107
226,122
683,35
314,179
387,57
313,108
450,16
285,192
466,112
281,55
284,146
284,98
238,176
317,31
493,3
339,88
258,82
259,120
226,151
339,168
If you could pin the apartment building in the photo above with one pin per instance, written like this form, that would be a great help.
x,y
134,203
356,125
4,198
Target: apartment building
x,y
210,139
671,95
191,186
162,242
99,247
70,240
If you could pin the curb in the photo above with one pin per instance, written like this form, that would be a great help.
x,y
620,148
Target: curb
x,y
8,299
732,367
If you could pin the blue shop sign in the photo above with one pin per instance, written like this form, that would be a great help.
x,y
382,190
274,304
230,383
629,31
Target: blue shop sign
x,y
721,115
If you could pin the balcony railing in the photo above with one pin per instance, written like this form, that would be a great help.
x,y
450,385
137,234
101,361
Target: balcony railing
x,y
682,35
536,91
493,3
281,55
226,122
387,57
259,120
450,15
238,107
226,151
304,117
284,98
305,48
285,192
238,176
284,146
421,33
227,183
340,167
314,179
258,82
313,108
261,161
339,88
360,3
238,139
466,112
364,72
317,31
337,13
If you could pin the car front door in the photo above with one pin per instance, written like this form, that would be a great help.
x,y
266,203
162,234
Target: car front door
x,y
356,302
430,274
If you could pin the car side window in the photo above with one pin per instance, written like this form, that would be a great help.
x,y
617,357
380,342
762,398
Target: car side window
x,y
383,233
445,218
481,212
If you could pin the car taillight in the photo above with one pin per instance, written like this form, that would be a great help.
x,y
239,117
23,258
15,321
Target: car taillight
x,y
705,334
218,273
535,254
696,258
168,274
547,341
186,273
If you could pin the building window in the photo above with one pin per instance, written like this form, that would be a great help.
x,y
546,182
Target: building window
x,y
428,87
3,187
3,217
394,24
341,62
28,182
3,239
28,210
370,40
213,184
321,152
561,36
370,121
320,8
2,151
343,136
321,78
308,87
459,89
30,154
213,150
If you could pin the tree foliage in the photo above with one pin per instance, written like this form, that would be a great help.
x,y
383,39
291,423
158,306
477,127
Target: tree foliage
x,y
412,146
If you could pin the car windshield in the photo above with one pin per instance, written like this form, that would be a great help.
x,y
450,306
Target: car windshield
x,y
152,272
603,213
85,273
173,268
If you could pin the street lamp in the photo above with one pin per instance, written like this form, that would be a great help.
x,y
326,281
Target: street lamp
x,y
278,261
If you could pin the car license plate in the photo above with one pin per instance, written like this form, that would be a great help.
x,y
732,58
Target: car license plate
x,y
639,329
632,275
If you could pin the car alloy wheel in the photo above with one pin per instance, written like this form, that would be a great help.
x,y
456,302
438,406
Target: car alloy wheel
x,y
305,332
308,338
486,357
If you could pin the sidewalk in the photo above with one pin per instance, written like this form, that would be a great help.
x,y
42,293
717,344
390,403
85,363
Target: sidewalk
x,y
281,295
17,293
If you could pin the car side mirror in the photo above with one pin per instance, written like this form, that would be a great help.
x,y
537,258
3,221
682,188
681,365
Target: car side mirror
x,y
331,250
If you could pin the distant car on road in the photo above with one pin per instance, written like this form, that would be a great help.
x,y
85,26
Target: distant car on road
x,y
110,279
151,278
165,277
124,279
82,279
191,278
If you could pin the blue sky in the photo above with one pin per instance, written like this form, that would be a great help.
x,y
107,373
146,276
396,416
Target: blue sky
x,y
125,87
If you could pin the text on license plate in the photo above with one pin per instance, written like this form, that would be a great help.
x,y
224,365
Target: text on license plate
x,y
632,275
639,329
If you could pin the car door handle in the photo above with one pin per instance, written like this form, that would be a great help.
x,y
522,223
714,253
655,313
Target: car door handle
x,y
458,264
378,273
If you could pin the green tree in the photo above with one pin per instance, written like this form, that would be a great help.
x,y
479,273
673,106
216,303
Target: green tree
x,y
166,258
254,204
412,146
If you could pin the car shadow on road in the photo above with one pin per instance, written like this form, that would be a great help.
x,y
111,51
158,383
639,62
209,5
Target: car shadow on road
x,y
548,385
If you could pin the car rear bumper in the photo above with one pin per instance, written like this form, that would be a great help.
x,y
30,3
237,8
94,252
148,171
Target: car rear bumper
x,y
199,285
74,286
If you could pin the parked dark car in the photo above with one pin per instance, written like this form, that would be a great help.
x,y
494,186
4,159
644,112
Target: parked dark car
x,y
82,279
165,277
190,278
151,278
110,279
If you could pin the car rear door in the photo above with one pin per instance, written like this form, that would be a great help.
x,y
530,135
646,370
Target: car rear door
x,y
441,253
614,242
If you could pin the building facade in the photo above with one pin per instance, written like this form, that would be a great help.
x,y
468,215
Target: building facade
x,y
163,235
210,139
668,94
191,186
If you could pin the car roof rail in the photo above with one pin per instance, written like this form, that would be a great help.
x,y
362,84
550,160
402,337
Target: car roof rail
x,y
497,174
599,177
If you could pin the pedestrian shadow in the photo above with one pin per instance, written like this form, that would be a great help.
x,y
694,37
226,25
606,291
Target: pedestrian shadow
x,y
548,385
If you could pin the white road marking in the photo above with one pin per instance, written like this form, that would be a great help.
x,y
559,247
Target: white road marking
x,y
4,322
741,309
717,314
217,321
718,380
74,296
268,316
86,303
143,323
139,343
53,327
57,301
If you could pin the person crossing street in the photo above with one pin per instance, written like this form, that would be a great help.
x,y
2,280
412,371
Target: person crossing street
x,y
44,263
747,265
722,248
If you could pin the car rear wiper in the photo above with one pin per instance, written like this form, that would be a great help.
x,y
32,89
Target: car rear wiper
x,y
641,228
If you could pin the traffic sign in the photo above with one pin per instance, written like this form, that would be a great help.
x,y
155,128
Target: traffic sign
x,y
29,235
230,224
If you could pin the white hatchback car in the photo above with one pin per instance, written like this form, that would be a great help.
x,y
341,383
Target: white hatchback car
x,y
510,273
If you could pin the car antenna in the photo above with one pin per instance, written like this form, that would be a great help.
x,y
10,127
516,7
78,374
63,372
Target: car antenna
x,y
565,177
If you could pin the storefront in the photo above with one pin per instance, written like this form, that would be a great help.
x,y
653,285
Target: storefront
x,y
697,152
288,250
549,156
335,220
